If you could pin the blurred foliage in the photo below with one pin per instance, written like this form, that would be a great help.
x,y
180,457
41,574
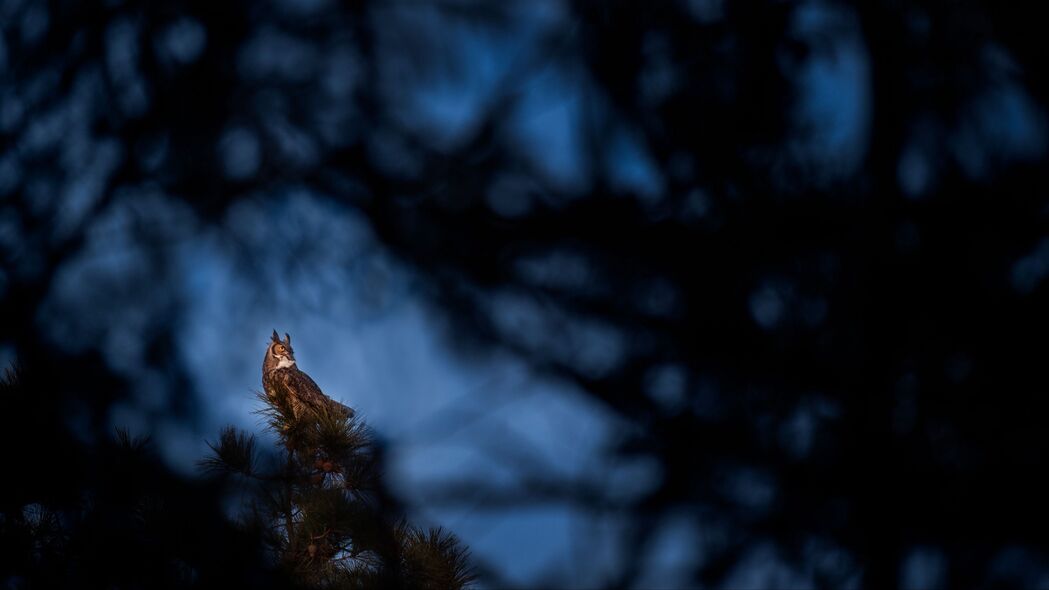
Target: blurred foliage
x,y
108,514
800,248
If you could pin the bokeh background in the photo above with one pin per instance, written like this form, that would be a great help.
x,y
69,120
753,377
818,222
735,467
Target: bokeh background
x,y
670,294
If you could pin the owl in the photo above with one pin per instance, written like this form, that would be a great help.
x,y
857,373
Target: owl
x,y
280,372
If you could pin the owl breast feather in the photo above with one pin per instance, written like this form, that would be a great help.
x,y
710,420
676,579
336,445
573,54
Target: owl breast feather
x,y
302,391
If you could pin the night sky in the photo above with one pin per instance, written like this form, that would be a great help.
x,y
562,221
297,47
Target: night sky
x,y
696,294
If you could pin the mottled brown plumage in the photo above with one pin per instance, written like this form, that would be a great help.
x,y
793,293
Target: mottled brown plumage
x,y
281,374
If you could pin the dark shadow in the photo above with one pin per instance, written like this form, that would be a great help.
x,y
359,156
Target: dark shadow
x,y
798,249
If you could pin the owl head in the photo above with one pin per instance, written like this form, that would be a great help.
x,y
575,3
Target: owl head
x,y
279,354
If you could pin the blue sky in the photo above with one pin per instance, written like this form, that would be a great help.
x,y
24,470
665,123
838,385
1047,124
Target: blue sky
x,y
445,417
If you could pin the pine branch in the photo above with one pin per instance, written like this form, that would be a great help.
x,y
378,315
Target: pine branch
x,y
317,509
132,444
434,559
234,453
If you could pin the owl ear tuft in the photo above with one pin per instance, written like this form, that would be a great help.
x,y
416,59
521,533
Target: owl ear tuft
x,y
275,337
287,339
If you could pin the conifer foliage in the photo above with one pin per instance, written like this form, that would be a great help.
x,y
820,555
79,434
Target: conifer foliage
x,y
322,509
94,508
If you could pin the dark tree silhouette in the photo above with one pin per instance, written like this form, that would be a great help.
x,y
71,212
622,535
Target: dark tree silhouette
x,y
825,328
322,508
108,514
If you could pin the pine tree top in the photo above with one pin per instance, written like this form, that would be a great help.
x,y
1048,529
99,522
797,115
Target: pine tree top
x,y
322,507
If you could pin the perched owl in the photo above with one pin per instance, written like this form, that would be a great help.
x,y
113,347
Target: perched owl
x,y
279,370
